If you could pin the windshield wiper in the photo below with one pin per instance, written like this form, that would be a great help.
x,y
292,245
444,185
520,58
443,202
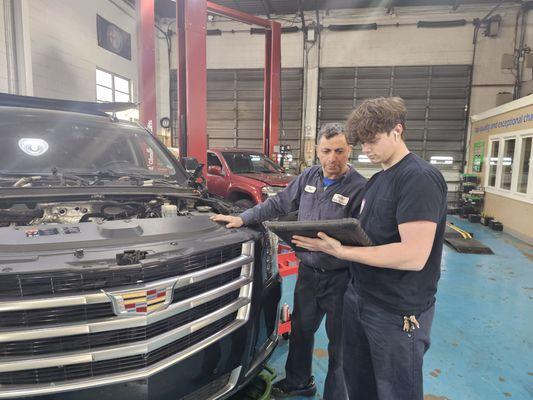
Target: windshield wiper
x,y
137,178
27,179
110,174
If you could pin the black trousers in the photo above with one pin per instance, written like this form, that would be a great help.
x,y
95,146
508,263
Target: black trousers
x,y
381,361
317,294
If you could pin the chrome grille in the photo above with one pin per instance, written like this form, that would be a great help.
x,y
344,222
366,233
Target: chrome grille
x,y
41,352
36,284
115,337
99,368
47,316
91,312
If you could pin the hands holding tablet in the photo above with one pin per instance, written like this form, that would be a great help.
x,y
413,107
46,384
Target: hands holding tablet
x,y
323,243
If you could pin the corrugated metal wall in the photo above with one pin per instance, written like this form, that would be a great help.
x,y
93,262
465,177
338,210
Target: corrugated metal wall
x,y
436,99
235,108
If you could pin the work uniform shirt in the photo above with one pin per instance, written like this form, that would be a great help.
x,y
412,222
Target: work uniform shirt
x,y
307,194
411,190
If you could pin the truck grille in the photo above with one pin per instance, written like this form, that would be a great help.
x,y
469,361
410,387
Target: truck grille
x,y
117,337
21,285
91,312
86,339
123,364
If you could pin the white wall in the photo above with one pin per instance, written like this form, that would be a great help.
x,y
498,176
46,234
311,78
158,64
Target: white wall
x,y
3,55
162,70
243,50
404,44
65,51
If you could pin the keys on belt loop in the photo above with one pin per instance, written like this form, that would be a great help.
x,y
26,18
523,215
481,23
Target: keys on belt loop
x,y
410,323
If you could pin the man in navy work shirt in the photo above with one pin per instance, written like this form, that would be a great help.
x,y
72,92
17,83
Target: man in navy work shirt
x,y
331,190
389,303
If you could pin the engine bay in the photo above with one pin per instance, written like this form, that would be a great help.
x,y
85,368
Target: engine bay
x,y
31,213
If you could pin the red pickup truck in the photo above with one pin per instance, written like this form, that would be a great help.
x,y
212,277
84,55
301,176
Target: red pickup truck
x,y
245,177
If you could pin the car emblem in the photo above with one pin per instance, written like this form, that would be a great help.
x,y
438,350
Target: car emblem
x,y
135,302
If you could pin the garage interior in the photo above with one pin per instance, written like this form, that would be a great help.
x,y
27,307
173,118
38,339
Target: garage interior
x,y
463,67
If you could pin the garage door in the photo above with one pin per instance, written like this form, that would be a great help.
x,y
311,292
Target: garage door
x,y
436,98
235,108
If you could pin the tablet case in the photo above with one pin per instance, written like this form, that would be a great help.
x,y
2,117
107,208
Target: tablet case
x,y
347,230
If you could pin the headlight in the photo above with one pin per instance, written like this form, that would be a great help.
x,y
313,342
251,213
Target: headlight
x,y
270,251
271,190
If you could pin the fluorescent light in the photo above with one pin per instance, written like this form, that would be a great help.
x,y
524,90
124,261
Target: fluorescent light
x,y
441,160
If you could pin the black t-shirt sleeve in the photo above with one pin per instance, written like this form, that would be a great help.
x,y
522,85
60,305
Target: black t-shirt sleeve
x,y
420,198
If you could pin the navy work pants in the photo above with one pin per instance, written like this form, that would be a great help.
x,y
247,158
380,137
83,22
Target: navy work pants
x,y
317,293
381,361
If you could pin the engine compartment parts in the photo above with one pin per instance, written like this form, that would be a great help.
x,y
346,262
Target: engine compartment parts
x,y
129,257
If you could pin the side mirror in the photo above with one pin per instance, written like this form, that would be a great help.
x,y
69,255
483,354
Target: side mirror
x,y
190,164
214,170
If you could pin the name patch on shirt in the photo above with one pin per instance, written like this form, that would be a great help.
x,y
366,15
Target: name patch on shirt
x,y
310,189
340,199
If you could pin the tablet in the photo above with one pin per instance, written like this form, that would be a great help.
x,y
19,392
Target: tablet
x,y
348,231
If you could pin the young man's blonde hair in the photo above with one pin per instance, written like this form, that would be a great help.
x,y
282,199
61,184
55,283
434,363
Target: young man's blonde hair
x,y
373,116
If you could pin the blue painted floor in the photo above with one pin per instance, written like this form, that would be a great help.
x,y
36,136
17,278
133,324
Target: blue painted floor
x,y
482,335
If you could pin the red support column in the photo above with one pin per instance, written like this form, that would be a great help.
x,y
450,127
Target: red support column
x,y
267,76
275,85
192,78
147,92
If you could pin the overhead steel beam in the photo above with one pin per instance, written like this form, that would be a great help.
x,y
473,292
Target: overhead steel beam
x,y
236,15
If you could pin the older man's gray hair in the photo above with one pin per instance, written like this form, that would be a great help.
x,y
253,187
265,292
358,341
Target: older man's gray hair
x,y
330,130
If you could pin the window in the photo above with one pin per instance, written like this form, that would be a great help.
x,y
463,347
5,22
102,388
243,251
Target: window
x,y
493,163
510,170
247,163
507,163
111,87
524,165
114,88
212,159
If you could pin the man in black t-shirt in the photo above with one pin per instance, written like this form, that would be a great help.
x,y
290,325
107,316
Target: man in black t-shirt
x,y
389,304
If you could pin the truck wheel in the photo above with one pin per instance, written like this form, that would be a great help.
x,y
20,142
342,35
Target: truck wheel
x,y
244,203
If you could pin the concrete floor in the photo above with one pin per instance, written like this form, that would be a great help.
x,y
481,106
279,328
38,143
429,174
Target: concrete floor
x,y
482,335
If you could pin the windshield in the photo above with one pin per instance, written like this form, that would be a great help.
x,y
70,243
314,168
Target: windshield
x,y
243,163
34,142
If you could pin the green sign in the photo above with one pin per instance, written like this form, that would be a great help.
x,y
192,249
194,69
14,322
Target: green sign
x,y
477,161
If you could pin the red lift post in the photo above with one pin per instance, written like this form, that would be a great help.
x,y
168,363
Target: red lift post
x,y
192,75
272,73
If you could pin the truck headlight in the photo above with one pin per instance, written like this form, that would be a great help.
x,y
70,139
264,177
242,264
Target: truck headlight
x,y
271,190
270,256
